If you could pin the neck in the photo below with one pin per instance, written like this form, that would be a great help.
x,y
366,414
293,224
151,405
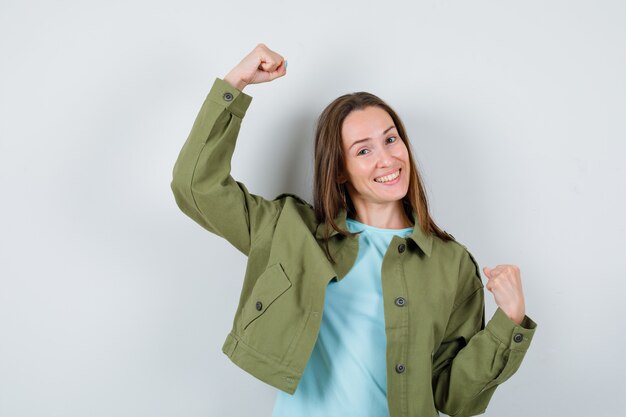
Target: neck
x,y
385,216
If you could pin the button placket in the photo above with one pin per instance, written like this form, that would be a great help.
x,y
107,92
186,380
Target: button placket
x,y
400,316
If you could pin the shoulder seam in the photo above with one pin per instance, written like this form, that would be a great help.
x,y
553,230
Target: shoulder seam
x,y
295,197
267,226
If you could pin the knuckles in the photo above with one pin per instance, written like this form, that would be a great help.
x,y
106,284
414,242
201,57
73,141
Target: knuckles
x,y
510,270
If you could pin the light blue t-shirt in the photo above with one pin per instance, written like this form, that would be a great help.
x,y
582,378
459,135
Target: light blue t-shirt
x,y
346,374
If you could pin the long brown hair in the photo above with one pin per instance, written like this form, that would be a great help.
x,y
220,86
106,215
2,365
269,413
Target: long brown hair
x,y
329,197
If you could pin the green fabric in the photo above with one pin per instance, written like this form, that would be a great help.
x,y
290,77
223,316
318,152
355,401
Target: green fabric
x,y
452,361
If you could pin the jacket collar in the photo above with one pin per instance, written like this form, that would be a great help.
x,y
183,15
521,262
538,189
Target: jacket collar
x,y
425,242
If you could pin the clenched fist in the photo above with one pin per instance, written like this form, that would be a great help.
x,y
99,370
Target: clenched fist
x,y
505,283
259,66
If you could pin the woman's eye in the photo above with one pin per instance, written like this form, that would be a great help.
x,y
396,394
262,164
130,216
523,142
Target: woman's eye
x,y
359,153
392,137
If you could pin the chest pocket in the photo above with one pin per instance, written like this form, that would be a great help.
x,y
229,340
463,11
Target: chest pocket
x,y
269,286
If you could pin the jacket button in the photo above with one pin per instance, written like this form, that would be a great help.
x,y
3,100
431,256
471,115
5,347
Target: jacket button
x,y
400,368
401,247
228,96
518,337
259,305
400,302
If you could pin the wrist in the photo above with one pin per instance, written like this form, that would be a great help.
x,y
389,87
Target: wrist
x,y
517,318
235,82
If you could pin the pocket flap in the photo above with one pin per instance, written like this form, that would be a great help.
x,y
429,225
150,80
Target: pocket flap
x,y
269,286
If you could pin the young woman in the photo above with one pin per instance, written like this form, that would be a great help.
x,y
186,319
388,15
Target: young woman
x,y
358,305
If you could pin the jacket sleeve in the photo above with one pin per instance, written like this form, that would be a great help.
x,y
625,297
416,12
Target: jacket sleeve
x,y
201,182
472,359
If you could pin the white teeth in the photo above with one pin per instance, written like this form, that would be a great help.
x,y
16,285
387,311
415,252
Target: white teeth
x,y
388,177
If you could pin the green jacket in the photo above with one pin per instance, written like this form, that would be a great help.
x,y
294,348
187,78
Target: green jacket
x,y
440,355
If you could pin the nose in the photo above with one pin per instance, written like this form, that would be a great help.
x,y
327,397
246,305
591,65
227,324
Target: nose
x,y
385,158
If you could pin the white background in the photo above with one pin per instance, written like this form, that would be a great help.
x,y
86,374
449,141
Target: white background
x,y
113,303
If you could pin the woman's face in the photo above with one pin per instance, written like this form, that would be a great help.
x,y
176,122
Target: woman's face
x,y
373,149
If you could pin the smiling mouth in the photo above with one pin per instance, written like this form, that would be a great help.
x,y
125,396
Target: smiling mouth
x,y
388,178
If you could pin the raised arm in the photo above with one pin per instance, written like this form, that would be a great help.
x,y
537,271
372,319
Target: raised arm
x,y
201,182
474,359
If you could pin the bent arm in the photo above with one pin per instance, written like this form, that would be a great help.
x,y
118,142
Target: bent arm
x,y
474,359
201,182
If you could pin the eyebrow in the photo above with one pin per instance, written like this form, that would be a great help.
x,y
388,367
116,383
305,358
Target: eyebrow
x,y
366,139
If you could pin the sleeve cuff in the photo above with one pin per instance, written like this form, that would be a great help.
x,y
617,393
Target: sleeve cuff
x,y
516,337
227,96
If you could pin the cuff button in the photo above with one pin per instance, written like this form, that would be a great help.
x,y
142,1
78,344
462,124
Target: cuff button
x,y
518,337
228,96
